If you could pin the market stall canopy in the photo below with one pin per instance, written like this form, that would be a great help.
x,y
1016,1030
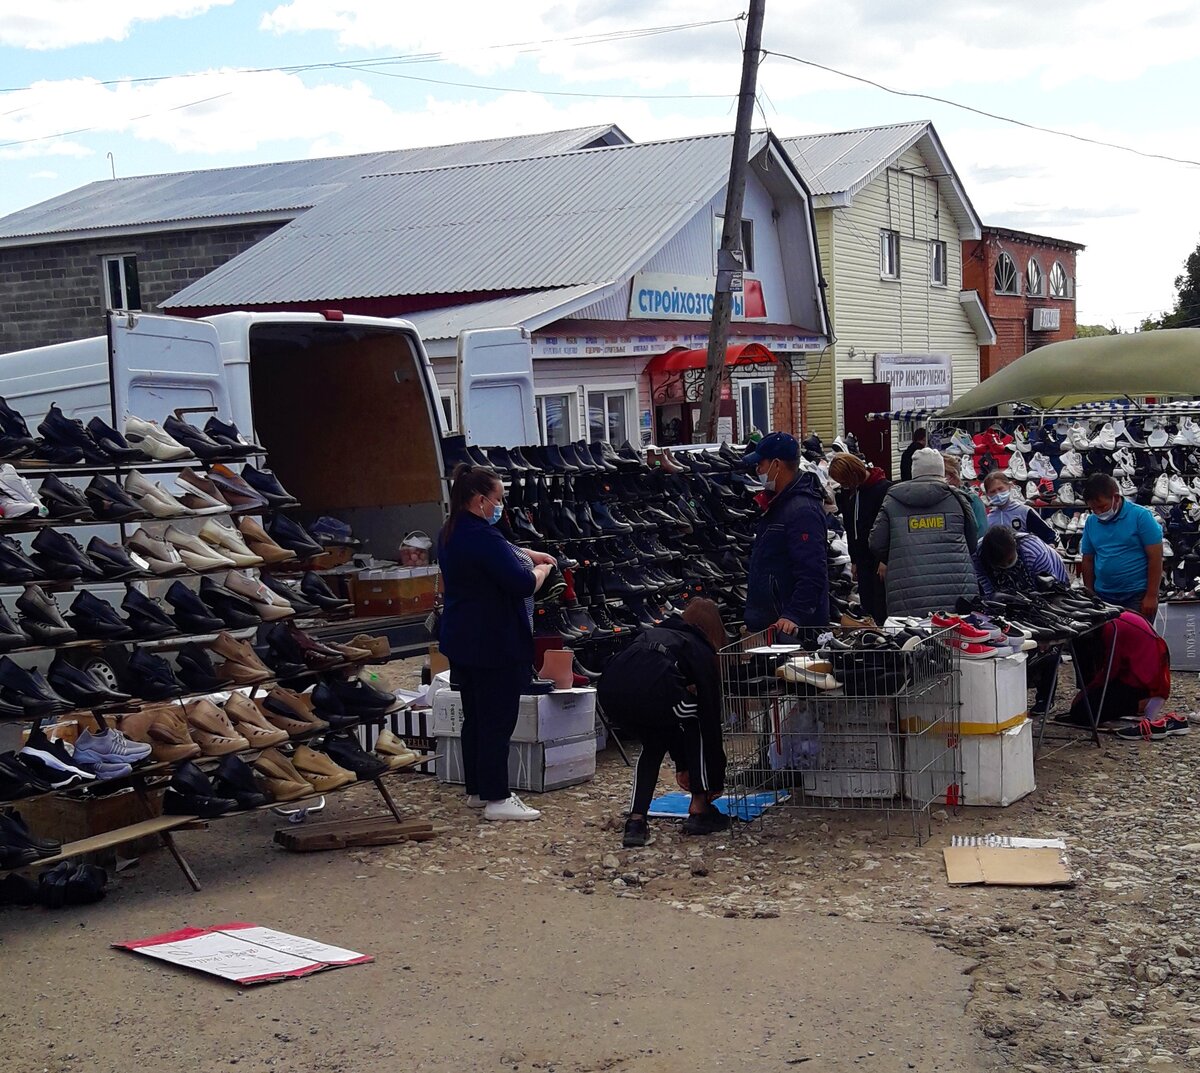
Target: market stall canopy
x,y
1077,371
679,359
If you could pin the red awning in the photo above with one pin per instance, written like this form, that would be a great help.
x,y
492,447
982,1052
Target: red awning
x,y
674,361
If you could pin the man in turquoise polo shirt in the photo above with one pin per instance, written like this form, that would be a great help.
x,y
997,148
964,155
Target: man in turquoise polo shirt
x,y
1121,547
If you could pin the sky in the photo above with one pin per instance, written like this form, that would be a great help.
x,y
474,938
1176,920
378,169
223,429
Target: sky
x,y
134,87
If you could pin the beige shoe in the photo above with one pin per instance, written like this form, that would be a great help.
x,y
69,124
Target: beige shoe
x,y
849,622
290,711
283,781
198,555
161,557
196,492
268,605
153,498
258,542
218,744
394,751
352,653
166,732
252,724
203,714
320,770
379,647
230,543
241,662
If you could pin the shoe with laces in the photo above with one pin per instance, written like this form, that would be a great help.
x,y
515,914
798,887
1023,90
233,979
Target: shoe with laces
x,y
511,808
1143,730
1017,468
1071,464
962,442
1077,437
1066,494
111,746
17,497
1105,438
1158,437
637,832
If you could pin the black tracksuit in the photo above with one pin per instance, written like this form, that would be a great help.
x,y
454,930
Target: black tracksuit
x,y
694,741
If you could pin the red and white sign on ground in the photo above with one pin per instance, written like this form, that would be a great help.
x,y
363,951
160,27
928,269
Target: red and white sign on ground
x,y
244,953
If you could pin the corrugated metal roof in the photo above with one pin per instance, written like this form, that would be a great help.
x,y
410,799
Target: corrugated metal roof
x,y
841,161
261,188
551,221
530,311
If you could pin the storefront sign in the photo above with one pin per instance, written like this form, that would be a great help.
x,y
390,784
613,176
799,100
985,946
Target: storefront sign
x,y
589,346
663,296
918,381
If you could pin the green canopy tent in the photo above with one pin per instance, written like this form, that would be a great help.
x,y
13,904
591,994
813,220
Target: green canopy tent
x,y
1076,371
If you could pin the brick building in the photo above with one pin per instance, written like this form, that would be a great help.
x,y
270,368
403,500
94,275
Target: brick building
x,y
1027,284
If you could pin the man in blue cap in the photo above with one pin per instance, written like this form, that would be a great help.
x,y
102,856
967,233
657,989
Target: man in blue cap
x,y
788,584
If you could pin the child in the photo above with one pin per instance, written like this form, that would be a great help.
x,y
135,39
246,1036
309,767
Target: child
x,y
1002,509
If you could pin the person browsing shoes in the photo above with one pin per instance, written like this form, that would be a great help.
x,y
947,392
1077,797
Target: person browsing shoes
x,y
486,633
1122,548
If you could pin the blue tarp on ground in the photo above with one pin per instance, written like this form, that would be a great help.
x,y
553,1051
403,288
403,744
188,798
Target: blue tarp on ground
x,y
675,805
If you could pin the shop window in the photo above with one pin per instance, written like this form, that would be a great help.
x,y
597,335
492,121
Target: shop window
x,y
554,414
121,290
608,416
1035,283
1004,278
747,241
937,264
754,407
449,402
889,254
1059,282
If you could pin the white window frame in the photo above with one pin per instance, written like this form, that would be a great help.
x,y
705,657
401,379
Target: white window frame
x,y
889,254
448,400
1066,281
748,382
572,395
747,234
110,300
629,390
1035,289
936,245
1016,276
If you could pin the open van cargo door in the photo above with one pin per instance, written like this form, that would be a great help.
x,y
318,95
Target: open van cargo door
x,y
165,364
496,406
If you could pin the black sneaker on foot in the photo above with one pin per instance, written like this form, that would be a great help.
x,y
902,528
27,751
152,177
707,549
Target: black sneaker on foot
x,y
706,823
637,832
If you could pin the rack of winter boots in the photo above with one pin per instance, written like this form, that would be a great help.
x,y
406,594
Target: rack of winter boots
x,y
217,688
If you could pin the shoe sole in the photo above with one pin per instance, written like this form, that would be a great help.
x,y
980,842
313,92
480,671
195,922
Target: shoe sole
x,y
518,819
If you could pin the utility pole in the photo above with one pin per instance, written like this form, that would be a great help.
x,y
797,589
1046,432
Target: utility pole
x,y
729,256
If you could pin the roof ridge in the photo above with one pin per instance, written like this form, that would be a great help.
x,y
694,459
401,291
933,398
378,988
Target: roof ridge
x,y
859,130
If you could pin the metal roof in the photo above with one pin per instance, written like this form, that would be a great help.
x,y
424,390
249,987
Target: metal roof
x,y
283,188
531,310
838,165
585,217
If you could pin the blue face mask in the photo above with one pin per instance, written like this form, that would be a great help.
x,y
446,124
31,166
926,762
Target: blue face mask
x,y
1000,499
497,514
1110,514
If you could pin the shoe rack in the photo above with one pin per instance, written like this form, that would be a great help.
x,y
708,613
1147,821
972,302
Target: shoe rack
x,y
147,776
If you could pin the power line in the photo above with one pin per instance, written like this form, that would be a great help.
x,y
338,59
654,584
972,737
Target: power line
x,y
982,112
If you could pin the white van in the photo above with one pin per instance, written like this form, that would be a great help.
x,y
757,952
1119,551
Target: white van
x,y
346,406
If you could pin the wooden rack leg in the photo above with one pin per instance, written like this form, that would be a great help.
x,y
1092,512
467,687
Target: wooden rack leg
x,y
387,799
168,840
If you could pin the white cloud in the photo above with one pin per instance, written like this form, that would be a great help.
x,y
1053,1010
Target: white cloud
x,y
44,175
63,23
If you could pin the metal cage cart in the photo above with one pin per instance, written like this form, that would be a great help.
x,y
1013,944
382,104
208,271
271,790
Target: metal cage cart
x,y
869,723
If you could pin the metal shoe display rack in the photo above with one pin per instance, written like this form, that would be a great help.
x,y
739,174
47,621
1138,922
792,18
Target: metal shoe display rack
x,y
147,775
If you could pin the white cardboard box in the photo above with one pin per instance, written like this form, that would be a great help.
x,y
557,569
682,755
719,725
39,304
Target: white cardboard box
x,y
533,766
993,691
997,769
565,713
857,755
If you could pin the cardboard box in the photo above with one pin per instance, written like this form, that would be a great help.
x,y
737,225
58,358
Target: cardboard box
x,y
993,693
415,726
997,769
532,766
70,819
1181,631
856,758
396,591
565,713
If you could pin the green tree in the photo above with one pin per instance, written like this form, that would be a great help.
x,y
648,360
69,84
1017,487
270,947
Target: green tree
x,y
1090,331
1186,313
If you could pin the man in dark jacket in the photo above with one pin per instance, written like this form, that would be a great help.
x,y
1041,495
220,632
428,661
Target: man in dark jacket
x,y
906,458
788,583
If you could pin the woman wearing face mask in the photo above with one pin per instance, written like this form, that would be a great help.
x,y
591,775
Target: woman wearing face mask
x,y
1003,509
860,495
487,633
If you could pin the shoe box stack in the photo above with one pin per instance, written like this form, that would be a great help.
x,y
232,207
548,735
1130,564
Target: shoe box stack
x,y
222,720
1154,458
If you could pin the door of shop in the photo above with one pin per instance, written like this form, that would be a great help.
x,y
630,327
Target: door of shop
x,y
860,398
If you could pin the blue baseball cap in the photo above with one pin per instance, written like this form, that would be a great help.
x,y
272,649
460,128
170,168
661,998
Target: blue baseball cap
x,y
773,445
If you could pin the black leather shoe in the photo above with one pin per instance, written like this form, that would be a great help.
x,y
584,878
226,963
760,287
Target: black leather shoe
x,y
60,431
234,778
113,444
301,604
293,536
356,695
30,691
346,752
196,670
17,779
64,502
192,615
41,618
80,687
92,617
267,484
199,443
147,617
191,793
11,635
60,555
316,591
15,831
230,438
236,612
113,561
151,677
16,568
15,438
109,501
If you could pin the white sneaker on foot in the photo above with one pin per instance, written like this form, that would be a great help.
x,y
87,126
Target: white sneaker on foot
x,y
475,801
511,809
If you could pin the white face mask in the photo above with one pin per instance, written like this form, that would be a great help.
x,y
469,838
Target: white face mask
x,y
767,481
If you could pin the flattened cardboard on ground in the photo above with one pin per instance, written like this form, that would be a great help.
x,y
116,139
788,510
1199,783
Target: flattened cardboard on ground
x,y
245,953
996,866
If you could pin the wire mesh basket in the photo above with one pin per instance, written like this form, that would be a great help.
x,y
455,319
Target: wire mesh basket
x,y
869,722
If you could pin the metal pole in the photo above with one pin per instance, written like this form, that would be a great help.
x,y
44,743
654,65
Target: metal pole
x,y
729,257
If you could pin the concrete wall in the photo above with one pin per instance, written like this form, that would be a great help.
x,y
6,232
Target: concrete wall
x,y
54,293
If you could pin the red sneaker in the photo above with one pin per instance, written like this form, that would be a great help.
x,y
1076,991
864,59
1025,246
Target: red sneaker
x,y
969,649
963,629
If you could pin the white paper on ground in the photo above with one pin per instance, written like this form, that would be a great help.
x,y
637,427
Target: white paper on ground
x,y
1007,842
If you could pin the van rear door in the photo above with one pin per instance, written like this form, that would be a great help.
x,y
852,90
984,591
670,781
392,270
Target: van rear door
x,y
165,365
496,406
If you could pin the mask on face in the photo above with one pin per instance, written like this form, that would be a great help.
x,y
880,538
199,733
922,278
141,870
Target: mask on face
x,y
1000,499
1110,514
497,514
767,481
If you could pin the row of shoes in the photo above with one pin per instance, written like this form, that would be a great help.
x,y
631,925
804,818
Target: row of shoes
x,y
67,883
65,441
1054,614
43,763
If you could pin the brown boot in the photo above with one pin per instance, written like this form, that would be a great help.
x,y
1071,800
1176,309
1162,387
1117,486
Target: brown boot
x,y
241,661
165,730
283,781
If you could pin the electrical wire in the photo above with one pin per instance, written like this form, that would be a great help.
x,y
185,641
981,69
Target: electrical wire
x,y
983,112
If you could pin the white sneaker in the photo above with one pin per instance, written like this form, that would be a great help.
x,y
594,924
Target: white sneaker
x,y
475,801
1162,490
1179,488
1195,488
149,438
1123,462
1017,496
17,497
1077,437
1031,490
1127,488
1017,468
961,443
1066,494
966,468
1021,440
511,809
1158,438
1168,551
1072,464
1105,439
1041,467
1060,521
